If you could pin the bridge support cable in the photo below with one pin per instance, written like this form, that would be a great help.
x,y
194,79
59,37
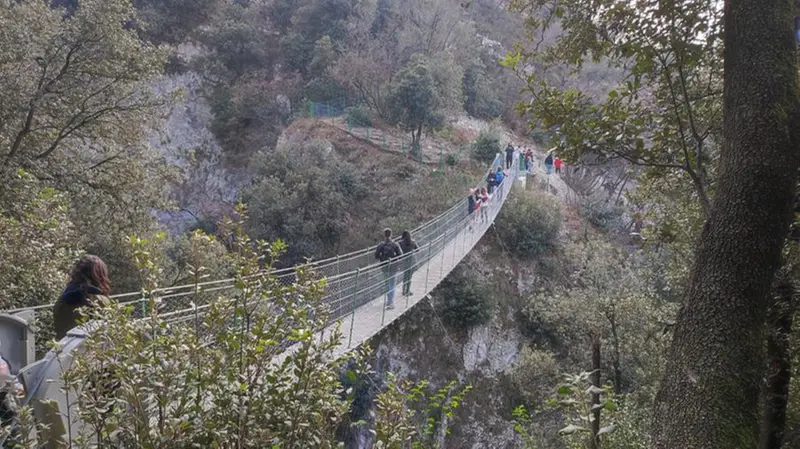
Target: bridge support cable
x,y
356,288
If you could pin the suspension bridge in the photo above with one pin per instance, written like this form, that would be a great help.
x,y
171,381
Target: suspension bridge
x,y
356,285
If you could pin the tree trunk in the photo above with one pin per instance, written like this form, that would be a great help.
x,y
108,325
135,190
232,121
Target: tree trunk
x,y
616,361
594,443
709,397
779,366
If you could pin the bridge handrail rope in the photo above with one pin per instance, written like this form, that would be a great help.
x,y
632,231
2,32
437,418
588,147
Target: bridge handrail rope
x,y
340,297
355,301
422,234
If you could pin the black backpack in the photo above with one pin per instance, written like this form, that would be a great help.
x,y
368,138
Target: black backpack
x,y
388,250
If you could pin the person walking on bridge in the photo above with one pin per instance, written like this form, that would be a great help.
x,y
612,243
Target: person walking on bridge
x,y
499,177
548,164
409,248
491,181
484,205
472,207
386,252
88,284
509,155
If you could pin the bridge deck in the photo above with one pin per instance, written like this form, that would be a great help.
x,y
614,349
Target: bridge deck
x,y
372,317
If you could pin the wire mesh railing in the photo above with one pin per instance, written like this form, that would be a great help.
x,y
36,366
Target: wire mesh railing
x,y
352,279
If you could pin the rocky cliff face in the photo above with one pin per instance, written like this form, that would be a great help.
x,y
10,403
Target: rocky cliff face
x,y
421,346
207,189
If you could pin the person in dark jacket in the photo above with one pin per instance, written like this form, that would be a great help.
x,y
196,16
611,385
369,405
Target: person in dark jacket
x,y
491,181
472,206
386,252
88,281
409,247
509,156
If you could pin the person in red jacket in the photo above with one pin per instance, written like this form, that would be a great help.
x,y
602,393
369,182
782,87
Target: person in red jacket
x,y
558,163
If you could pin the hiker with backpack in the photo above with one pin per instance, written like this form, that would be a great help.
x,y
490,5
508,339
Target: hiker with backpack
x,y
409,247
386,252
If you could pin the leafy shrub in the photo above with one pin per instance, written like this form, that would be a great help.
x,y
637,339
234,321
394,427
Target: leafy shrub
x,y
152,390
38,245
324,89
601,214
463,301
529,223
541,136
353,184
358,116
481,98
536,372
486,146
301,194
451,160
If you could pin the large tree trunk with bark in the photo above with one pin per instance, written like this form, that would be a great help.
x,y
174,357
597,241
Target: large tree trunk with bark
x,y
779,366
709,397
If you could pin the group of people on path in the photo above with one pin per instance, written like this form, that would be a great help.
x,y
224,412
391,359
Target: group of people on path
x,y
550,162
396,257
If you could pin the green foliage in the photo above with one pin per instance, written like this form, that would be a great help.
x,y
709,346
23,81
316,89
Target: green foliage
x,y
415,103
451,160
480,97
323,56
324,89
602,214
410,415
238,44
38,244
311,22
173,20
172,386
602,290
463,301
358,116
537,371
448,77
302,193
77,105
663,112
574,398
529,223
72,78
140,381
487,145
622,426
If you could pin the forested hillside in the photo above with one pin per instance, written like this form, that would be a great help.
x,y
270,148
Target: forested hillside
x,y
82,131
641,296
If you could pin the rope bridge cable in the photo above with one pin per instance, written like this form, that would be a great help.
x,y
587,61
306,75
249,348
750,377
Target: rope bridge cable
x,y
352,280
355,299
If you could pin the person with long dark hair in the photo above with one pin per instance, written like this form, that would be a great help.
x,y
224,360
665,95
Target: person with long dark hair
x,y
88,280
409,247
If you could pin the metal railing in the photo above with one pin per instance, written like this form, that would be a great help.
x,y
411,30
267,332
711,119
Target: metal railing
x,y
352,280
